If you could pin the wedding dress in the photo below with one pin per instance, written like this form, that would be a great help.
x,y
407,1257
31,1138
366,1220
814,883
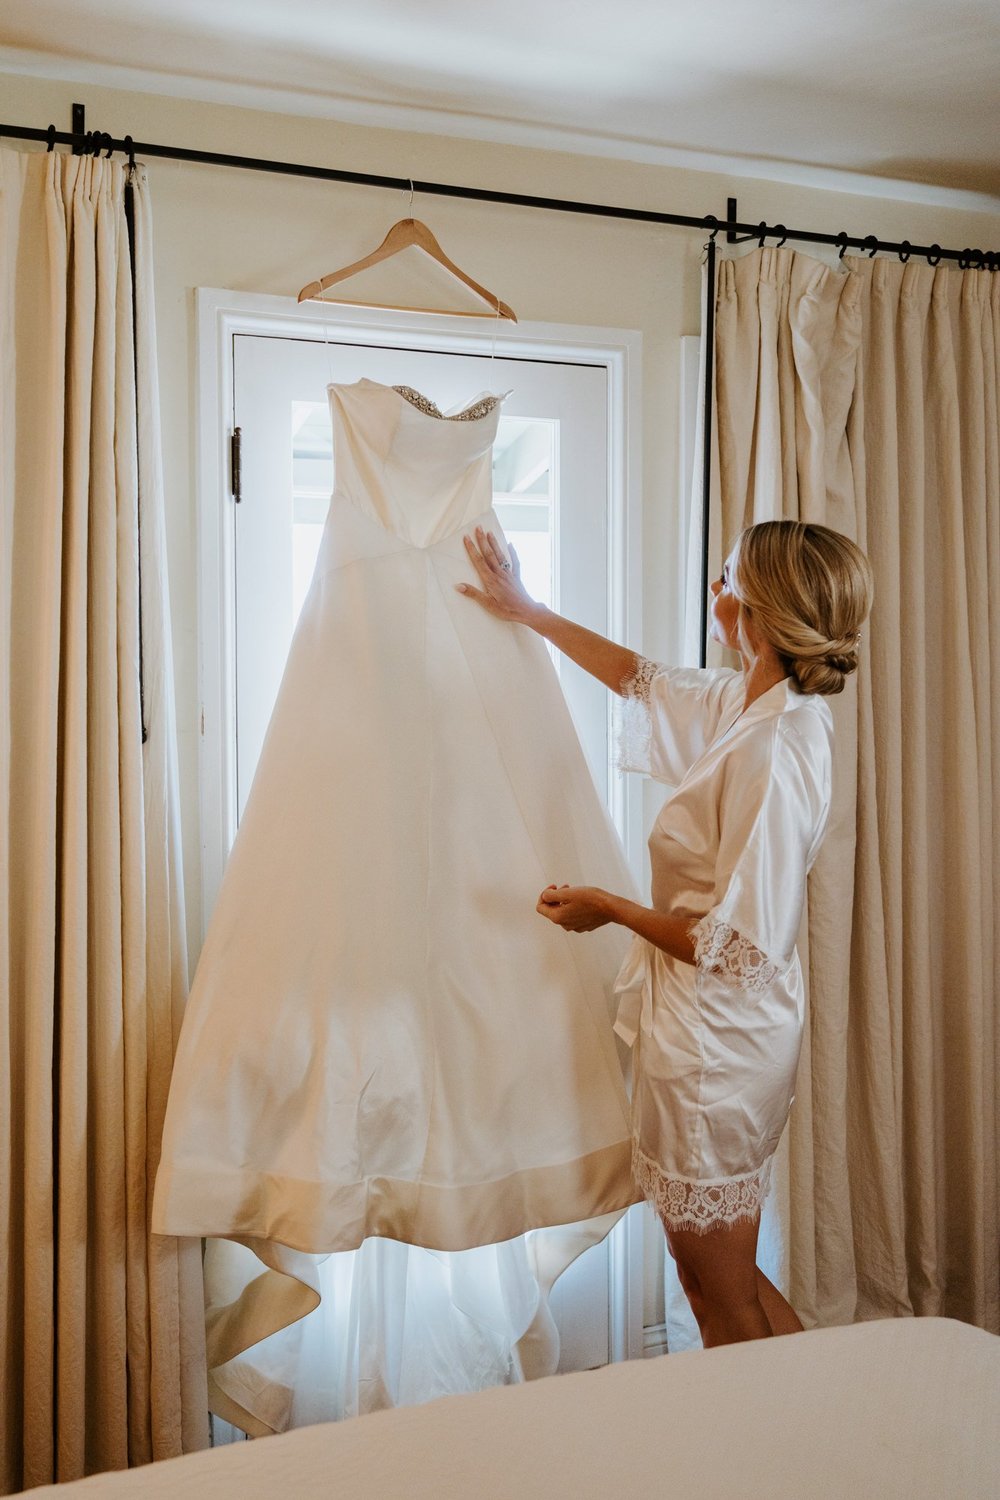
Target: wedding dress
x,y
383,1037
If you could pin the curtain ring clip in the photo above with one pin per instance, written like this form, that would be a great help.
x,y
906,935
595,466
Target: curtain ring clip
x,y
50,136
841,240
904,252
934,255
128,145
780,229
873,242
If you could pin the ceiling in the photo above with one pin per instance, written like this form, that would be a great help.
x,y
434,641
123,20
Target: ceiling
x,y
891,90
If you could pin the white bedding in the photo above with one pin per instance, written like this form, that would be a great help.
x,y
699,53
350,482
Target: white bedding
x,y
906,1407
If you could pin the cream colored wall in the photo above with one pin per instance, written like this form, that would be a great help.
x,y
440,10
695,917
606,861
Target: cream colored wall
x,y
264,233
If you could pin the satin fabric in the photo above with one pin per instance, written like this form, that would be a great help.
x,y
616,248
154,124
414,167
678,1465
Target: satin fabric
x,y
718,1042
383,1037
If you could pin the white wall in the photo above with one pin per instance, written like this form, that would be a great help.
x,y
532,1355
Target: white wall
x,y
264,233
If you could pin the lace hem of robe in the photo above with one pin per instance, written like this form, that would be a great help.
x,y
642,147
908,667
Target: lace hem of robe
x,y
480,408
633,726
720,949
686,1204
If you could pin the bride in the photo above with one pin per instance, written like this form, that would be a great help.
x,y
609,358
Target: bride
x,y
712,995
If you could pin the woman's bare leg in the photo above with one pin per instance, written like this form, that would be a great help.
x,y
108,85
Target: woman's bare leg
x,y
780,1314
718,1272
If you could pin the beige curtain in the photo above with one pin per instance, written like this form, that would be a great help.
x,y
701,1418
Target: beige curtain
x,y
866,397
100,1326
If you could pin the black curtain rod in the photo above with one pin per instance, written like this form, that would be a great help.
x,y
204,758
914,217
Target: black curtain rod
x,y
95,142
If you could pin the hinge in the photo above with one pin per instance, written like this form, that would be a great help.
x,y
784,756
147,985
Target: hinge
x,y
236,463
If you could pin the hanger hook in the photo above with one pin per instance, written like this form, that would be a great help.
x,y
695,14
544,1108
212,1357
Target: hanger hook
x,y
842,242
780,229
712,222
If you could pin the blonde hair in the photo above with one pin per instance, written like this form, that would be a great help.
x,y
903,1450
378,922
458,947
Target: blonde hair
x,y
809,591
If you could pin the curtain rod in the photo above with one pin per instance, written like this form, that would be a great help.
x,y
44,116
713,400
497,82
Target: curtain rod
x,y
95,142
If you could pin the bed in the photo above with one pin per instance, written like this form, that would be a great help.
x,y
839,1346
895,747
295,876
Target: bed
x,y
904,1407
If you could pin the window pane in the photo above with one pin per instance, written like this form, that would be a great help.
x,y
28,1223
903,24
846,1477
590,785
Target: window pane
x,y
312,485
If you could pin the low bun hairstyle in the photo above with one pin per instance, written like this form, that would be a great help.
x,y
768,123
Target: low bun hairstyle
x,y
808,590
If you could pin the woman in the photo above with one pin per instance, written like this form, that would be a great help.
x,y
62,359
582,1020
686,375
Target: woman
x,y
712,994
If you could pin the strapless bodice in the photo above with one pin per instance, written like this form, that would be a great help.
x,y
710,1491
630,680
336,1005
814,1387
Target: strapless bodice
x,y
419,472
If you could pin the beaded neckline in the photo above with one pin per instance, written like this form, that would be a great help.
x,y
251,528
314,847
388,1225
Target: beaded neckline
x,y
480,408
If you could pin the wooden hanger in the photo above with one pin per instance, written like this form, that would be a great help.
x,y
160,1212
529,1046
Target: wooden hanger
x,y
403,234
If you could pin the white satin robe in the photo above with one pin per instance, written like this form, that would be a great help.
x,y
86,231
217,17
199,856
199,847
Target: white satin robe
x,y
717,1043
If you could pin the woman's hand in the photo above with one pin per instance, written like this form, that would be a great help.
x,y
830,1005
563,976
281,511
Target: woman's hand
x,y
576,908
502,594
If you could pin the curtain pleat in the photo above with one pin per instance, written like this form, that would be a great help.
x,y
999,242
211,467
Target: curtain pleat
x,y
100,1324
866,399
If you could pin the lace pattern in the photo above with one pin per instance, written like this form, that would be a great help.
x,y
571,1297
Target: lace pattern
x,y
638,684
633,728
720,949
480,408
684,1203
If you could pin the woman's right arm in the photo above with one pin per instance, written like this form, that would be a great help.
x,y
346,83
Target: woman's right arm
x,y
610,663
504,596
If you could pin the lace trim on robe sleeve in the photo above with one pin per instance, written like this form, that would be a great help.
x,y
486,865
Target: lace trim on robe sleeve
x,y
637,684
720,949
633,729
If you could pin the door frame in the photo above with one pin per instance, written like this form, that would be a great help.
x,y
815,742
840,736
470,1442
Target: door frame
x,y
221,316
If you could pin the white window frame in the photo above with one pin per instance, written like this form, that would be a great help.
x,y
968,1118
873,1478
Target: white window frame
x,y
222,315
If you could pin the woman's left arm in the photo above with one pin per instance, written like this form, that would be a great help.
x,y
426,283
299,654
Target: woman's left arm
x,y
581,908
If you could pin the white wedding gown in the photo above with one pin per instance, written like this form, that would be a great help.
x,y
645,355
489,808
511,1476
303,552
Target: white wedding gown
x,y
383,1038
